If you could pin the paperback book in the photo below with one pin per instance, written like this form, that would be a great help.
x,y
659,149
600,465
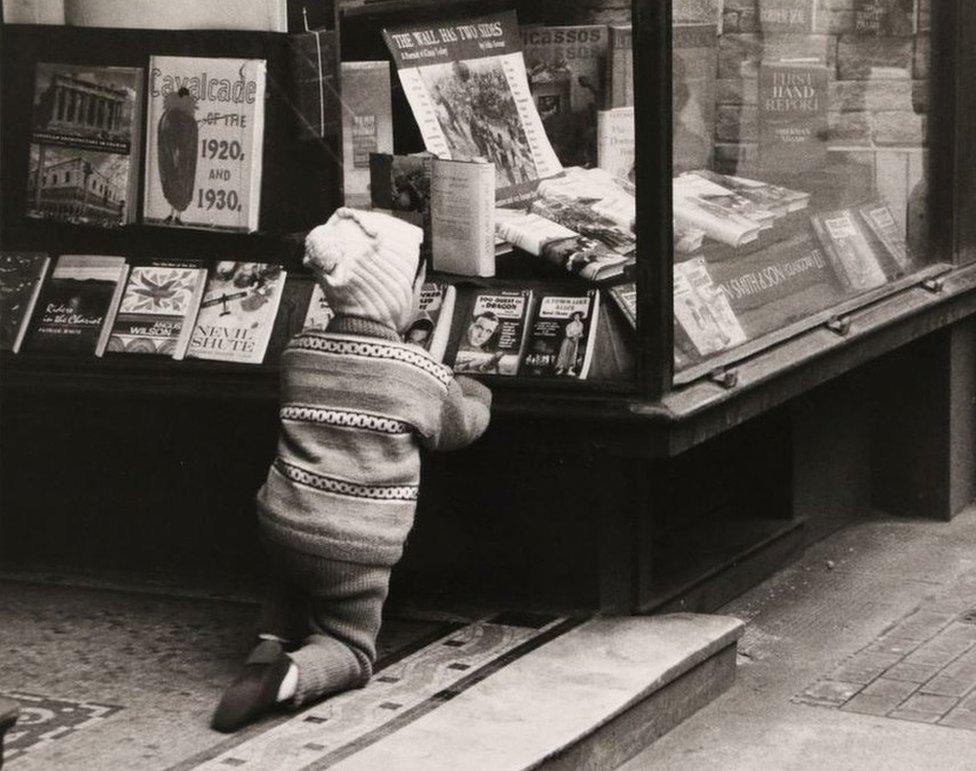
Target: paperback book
x,y
466,83
77,304
776,199
367,125
694,209
494,336
798,17
158,308
205,145
858,257
430,327
703,188
560,246
625,297
562,336
703,311
877,215
566,67
85,144
238,312
463,217
21,278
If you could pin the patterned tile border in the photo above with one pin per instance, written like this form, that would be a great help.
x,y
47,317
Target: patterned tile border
x,y
43,720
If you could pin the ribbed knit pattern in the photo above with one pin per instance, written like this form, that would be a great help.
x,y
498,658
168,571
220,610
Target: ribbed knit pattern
x,y
366,263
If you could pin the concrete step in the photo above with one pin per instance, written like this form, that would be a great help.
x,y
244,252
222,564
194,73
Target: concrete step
x,y
514,691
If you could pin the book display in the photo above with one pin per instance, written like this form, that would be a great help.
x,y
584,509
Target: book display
x,y
656,230
509,133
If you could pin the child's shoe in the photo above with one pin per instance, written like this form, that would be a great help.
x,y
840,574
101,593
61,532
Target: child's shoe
x,y
255,691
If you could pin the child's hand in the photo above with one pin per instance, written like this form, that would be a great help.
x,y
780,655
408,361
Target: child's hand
x,y
474,390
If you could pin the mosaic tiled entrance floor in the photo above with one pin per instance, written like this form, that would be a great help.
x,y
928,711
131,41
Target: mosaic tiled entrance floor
x,y
922,669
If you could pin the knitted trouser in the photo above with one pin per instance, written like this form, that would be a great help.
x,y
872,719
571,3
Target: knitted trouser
x,y
332,610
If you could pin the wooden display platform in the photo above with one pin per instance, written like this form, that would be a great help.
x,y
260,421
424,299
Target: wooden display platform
x,y
513,691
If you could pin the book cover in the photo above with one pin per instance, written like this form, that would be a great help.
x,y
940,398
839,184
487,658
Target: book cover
x,y
463,218
466,82
625,297
560,246
884,18
847,241
259,15
77,304
85,144
695,93
495,333
562,336
695,210
703,311
430,327
703,187
798,17
315,85
793,100
319,312
292,313
615,144
567,75
880,219
158,308
401,185
205,143
620,66
21,278
238,312
367,125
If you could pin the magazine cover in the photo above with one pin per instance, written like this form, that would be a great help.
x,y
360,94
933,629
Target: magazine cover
x,y
21,277
205,143
467,85
557,244
431,326
77,303
238,312
158,308
562,336
85,144
367,125
703,311
494,336
566,67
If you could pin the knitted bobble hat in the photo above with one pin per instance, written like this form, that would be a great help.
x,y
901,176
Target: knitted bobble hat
x,y
366,263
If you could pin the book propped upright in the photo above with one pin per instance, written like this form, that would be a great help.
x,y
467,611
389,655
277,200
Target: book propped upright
x,y
238,312
158,308
78,304
205,146
462,209
21,278
562,336
793,101
430,327
620,67
85,144
495,334
319,312
703,311
858,257
615,143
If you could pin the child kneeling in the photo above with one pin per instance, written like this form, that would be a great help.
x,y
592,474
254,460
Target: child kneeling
x,y
357,404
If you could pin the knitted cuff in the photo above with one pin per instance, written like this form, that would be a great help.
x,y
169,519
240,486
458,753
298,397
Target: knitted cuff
x,y
325,666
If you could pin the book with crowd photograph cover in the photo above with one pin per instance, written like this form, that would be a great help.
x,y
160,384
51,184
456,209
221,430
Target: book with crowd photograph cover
x,y
466,82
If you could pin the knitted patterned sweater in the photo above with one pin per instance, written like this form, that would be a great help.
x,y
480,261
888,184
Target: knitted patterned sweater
x,y
356,405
